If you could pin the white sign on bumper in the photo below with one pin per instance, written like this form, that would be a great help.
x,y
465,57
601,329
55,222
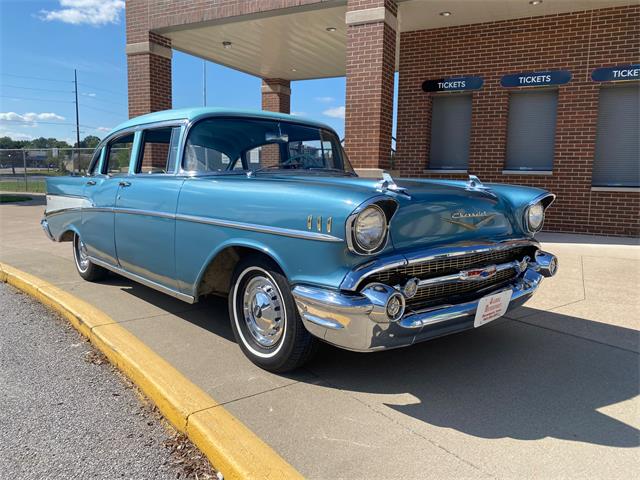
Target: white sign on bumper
x,y
492,307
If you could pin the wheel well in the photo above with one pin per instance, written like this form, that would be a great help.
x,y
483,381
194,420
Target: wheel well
x,y
67,236
216,279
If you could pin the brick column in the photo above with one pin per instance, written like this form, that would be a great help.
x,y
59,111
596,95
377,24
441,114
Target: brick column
x,y
370,62
148,62
276,95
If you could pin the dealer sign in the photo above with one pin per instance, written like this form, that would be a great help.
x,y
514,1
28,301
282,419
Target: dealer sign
x,y
536,79
616,74
453,84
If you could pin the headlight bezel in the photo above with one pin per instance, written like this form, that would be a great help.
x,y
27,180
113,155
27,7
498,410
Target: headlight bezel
x,y
528,214
544,201
387,207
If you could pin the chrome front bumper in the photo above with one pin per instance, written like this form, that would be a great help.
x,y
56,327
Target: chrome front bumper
x,y
356,321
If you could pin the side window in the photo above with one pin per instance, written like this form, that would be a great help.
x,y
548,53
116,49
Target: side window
x,y
159,150
94,168
119,155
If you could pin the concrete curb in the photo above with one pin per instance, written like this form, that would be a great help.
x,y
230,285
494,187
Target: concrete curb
x,y
231,447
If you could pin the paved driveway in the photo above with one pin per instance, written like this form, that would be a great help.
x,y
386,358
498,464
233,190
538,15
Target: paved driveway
x,y
551,391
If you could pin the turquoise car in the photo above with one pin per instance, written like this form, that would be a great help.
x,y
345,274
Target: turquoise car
x,y
265,209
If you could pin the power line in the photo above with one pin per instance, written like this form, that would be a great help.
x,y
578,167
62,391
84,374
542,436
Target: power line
x,y
37,78
83,94
29,122
36,99
102,110
101,89
39,89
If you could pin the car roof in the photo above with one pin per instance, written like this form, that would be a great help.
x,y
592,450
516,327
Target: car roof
x,y
197,113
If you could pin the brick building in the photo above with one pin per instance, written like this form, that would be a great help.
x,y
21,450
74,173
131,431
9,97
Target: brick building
x,y
542,93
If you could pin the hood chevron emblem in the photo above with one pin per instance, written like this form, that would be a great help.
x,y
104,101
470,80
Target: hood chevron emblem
x,y
465,219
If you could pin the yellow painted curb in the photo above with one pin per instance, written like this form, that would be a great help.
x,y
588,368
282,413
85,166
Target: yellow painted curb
x,y
231,447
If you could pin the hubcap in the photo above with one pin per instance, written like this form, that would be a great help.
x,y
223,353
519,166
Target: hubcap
x,y
83,257
263,312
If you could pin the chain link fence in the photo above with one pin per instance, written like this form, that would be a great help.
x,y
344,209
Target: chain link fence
x,y
25,170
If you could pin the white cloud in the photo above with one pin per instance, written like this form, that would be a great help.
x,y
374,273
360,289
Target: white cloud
x,y
103,129
335,112
324,99
299,114
90,12
15,135
30,117
88,94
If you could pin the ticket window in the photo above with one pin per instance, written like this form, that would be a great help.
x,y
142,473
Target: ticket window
x,y
450,132
617,157
531,130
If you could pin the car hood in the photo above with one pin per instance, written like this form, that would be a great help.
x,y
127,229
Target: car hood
x,y
434,212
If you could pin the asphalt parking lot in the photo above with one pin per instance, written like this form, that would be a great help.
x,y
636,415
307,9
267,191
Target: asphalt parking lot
x,y
551,391
65,412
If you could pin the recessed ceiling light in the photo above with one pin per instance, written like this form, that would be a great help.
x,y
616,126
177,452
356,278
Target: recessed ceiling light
x,y
294,70
331,29
445,14
535,2
226,44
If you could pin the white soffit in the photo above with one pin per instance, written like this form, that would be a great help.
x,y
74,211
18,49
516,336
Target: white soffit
x,y
425,14
294,43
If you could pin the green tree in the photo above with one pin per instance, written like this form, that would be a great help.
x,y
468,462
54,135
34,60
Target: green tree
x,y
90,141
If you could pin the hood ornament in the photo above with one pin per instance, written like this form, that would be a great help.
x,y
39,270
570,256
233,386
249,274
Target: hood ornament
x,y
475,185
388,184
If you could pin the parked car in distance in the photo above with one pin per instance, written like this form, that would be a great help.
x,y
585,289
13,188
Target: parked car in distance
x,y
265,209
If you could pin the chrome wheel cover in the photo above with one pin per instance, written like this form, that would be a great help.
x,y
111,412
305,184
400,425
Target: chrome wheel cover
x,y
263,311
82,257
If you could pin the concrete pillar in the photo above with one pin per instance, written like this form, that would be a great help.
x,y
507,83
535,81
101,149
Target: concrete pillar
x,y
276,95
370,62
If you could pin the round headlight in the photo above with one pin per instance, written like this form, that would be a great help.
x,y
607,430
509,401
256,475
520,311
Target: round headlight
x,y
370,228
535,217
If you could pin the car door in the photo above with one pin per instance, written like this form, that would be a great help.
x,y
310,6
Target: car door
x,y
100,190
145,208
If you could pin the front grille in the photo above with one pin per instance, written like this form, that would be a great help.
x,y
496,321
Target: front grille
x,y
447,290
454,292
449,265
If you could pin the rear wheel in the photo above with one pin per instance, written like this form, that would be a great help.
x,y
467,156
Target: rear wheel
x,y
265,319
85,267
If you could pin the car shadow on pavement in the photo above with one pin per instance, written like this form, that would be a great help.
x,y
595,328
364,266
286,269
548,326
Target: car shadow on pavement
x,y
509,379
506,380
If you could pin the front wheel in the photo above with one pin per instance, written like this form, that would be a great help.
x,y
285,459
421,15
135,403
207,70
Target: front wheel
x,y
264,317
85,267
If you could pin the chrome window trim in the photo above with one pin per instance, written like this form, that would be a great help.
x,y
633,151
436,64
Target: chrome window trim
x,y
355,277
155,126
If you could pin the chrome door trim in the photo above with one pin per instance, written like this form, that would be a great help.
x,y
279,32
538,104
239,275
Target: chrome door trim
x,y
144,281
285,232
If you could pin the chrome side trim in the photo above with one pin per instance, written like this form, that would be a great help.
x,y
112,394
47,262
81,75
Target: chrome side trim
x,y
62,210
146,213
148,283
285,232
45,226
356,276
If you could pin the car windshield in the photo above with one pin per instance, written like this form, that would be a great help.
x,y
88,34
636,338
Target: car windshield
x,y
227,145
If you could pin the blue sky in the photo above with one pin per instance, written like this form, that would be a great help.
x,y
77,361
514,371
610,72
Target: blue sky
x,y
42,42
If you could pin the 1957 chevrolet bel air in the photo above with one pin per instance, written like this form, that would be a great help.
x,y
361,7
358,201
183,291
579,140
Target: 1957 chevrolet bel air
x,y
265,209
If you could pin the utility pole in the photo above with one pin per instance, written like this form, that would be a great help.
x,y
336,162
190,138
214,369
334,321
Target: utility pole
x,y
204,83
75,81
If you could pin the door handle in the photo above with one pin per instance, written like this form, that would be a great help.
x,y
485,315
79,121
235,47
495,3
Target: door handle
x,y
91,182
124,184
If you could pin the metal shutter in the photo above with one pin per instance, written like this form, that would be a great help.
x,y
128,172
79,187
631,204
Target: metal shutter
x,y
617,157
532,130
450,132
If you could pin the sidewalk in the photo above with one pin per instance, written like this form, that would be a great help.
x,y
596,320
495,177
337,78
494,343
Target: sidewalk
x,y
550,392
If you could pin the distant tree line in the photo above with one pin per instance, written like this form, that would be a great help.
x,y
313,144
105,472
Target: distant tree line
x,y
90,141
